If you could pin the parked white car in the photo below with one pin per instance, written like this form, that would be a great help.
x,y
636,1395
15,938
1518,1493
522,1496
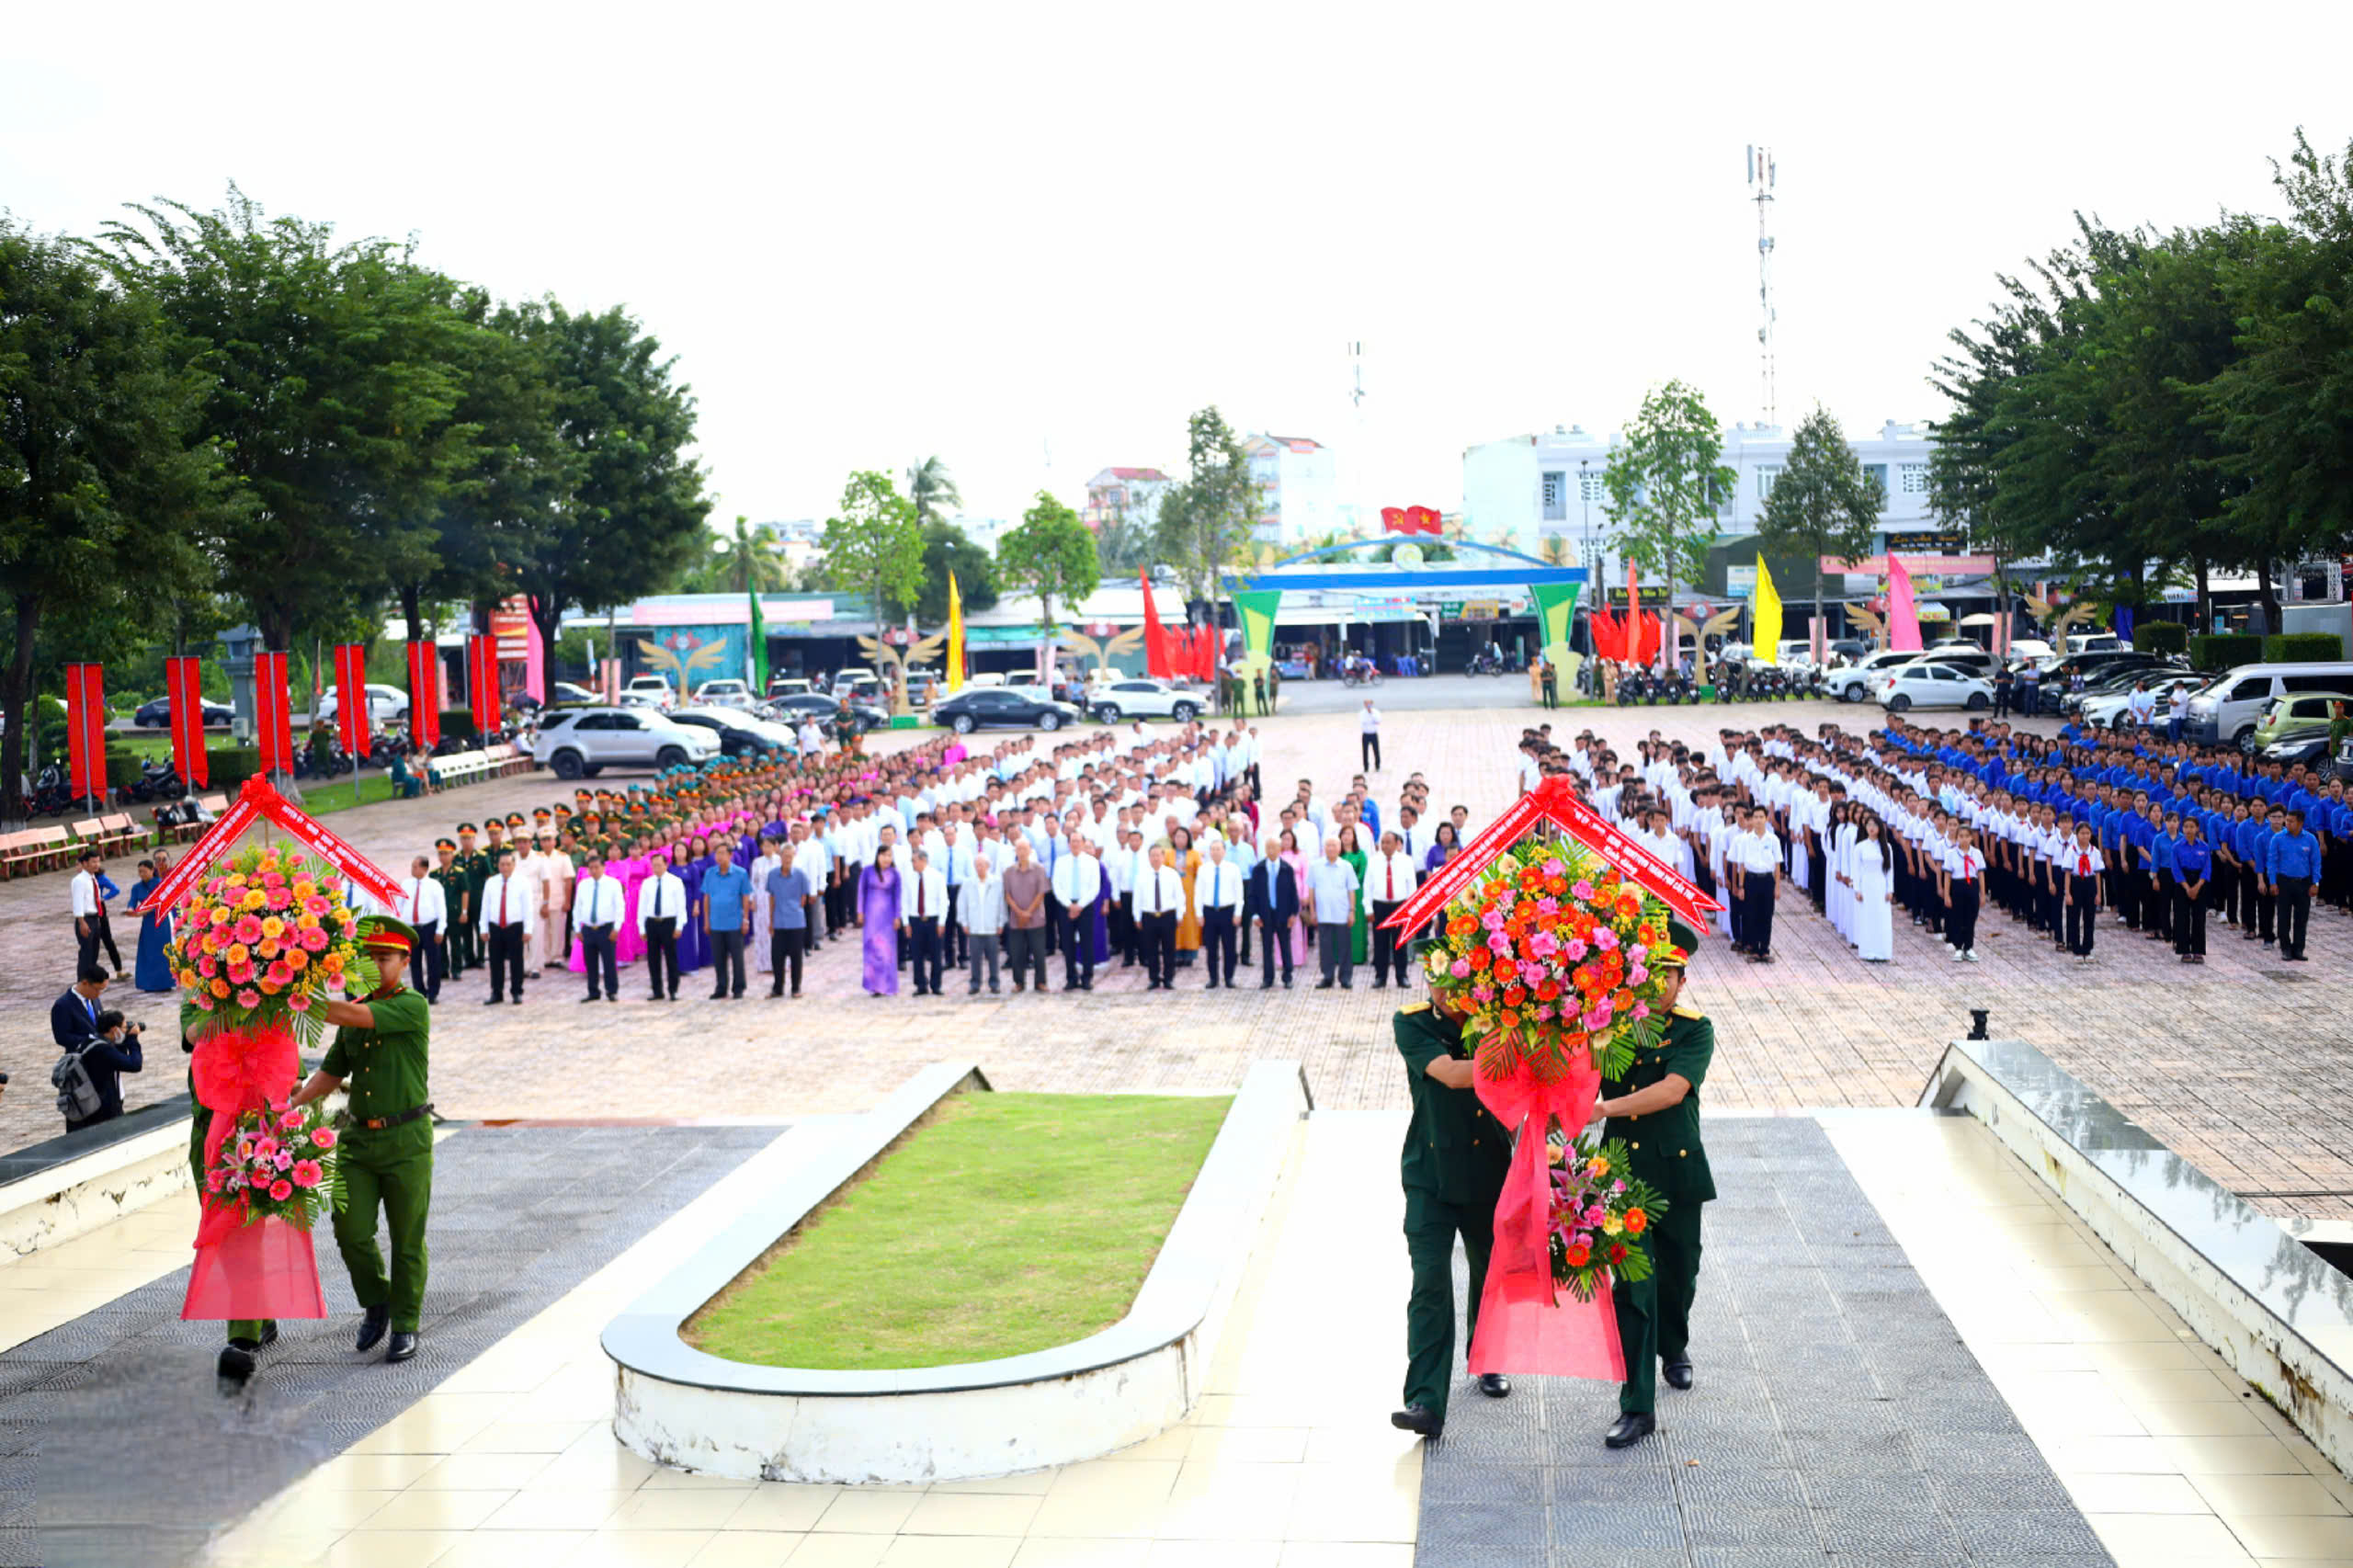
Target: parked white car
x,y
653,689
725,694
2111,710
1142,699
385,703
574,742
1853,684
1927,684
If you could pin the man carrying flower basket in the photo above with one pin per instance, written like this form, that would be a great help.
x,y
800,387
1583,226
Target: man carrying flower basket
x,y
1655,1108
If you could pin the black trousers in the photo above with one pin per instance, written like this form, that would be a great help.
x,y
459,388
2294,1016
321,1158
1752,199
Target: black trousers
x,y
924,952
2130,884
1122,920
2295,898
661,956
1757,907
2188,921
1961,924
1026,946
727,962
1335,952
1389,948
2222,892
951,933
2161,901
432,960
2050,892
1817,868
2083,923
101,934
1077,944
785,947
506,958
1368,753
1274,942
1218,943
1156,934
596,958
2266,905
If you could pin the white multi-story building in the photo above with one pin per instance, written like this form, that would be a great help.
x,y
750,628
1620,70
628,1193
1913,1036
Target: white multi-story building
x,y
1132,493
1528,489
1298,489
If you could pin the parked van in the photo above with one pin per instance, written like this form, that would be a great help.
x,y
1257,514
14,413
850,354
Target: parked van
x,y
2231,707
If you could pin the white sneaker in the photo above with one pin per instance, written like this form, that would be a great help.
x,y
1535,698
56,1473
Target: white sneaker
x,y
1970,955
1957,954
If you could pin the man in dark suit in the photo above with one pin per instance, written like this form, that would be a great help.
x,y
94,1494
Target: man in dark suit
x,y
73,1017
106,1045
1272,899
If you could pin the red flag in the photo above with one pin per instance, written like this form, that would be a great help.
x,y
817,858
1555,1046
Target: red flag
x,y
1210,638
1410,520
424,694
481,682
273,713
351,698
184,690
1155,638
1634,634
1608,635
86,721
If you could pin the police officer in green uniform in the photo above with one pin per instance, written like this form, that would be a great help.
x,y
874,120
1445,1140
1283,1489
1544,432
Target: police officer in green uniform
x,y
465,931
1655,1109
386,1156
452,878
1455,1157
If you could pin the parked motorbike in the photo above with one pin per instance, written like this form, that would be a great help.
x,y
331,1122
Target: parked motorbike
x,y
156,781
1484,663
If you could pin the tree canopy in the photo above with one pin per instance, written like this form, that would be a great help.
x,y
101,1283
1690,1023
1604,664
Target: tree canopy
x,y
1823,503
874,544
1665,474
1050,554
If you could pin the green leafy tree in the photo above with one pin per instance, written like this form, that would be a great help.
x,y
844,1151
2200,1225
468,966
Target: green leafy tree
x,y
1050,554
634,507
1205,521
932,490
946,549
108,492
874,545
742,560
1664,477
334,380
1825,504
1127,541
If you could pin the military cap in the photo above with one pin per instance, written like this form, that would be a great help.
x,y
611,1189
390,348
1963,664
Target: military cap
x,y
445,844
465,829
383,931
1682,941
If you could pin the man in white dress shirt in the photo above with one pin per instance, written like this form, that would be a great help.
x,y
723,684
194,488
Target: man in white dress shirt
x,y
1077,880
596,911
90,927
426,909
1753,862
1388,882
509,906
923,904
1217,894
1159,898
661,908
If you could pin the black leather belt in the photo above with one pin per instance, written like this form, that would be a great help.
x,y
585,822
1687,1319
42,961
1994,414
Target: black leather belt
x,y
378,1123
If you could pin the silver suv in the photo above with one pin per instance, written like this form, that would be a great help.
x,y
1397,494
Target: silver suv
x,y
575,742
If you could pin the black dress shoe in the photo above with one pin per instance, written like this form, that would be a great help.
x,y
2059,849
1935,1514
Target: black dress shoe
x,y
1417,1418
1629,1429
1495,1385
268,1335
1678,1372
373,1320
585,1000
493,1001
402,1346
237,1361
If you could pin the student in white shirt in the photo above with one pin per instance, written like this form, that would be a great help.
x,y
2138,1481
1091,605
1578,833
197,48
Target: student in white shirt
x,y
661,910
426,909
1753,862
510,908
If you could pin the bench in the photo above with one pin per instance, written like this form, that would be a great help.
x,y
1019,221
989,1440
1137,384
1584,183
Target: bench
x,y
92,833
509,759
124,832
461,767
37,850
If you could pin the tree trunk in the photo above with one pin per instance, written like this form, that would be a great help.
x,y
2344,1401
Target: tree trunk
x,y
2205,598
412,611
15,700
2269,594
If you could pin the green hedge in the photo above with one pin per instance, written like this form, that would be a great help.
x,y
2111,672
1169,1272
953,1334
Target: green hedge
x,y
2303,647
2224,649
230,766
458,725
2161,637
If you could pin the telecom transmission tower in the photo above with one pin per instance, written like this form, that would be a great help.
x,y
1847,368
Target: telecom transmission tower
x,y
1356,364
1760,188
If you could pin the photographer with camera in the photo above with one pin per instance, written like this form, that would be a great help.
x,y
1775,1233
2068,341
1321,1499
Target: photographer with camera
x,y
97,1047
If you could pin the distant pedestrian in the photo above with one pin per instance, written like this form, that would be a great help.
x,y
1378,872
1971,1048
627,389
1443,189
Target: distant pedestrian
x,y
1368,746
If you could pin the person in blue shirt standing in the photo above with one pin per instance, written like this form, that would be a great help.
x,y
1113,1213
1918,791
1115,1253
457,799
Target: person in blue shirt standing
x,y
2247,840
2292,862
2266,891
2193,869
2164,833
726,903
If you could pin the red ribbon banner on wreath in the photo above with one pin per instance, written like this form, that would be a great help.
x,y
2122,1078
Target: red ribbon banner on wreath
x,y
1555,802
259,802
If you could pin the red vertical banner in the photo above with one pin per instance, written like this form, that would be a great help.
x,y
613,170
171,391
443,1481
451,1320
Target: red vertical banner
x,y
273,713
481,682
352,718
85,722
184,688
1155,636
424,694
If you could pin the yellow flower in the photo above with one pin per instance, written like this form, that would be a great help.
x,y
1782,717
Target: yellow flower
x,y
253,898
305,887
238,953
1612,1225
307,922
271,925
1597,1167
268,950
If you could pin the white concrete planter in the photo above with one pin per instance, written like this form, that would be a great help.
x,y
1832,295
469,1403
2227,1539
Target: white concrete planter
x,y
682,1407
2276,1312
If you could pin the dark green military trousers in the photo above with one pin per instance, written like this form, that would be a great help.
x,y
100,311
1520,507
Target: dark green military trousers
x,y
391,1169
1431,1226
1654,1314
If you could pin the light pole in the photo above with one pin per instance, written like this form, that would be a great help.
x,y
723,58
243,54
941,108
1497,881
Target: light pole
x,y
1592,565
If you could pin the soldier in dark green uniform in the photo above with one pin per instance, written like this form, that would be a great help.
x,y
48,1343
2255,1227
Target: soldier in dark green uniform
x,y
1455,1157
452,878
1655,1109
387,1152
465,929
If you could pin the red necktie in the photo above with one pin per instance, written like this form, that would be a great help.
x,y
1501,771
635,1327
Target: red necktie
x,y
506,886
1389,877
414,894
2083,864
920,879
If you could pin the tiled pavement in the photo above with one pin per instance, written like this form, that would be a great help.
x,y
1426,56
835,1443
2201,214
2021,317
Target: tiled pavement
x,y
2236,1065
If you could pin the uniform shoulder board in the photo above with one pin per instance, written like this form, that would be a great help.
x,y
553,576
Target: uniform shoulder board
x,y
1684,1010
1415,1008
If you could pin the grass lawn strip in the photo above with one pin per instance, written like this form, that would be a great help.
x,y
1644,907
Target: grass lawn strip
x,y
1004,1224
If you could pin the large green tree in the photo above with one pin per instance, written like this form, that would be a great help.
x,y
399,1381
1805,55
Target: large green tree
x,y
635,506
1205,520
1823,503
1050,554
741,561
334,379
946,549
874,545
1665,474
932,490
109,494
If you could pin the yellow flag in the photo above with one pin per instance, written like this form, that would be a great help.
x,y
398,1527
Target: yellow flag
x,y
955,636
1767,603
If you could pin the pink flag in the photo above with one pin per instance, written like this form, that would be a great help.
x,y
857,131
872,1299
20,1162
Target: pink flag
x,y
1902,618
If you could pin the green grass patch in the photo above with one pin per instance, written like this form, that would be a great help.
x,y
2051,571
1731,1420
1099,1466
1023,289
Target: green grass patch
x,y
1001,1224
344,793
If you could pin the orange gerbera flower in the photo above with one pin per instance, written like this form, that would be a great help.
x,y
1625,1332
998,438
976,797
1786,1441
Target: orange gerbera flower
x,y
1636,1221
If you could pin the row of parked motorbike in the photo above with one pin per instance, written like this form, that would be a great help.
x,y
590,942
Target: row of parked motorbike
x,y
53,793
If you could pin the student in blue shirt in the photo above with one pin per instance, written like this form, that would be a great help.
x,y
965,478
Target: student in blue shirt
x,y
2224,839
2164,887
2193,868
2291,863
2257,853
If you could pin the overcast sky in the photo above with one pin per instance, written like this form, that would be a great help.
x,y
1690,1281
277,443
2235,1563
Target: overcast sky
x,y
1033,239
